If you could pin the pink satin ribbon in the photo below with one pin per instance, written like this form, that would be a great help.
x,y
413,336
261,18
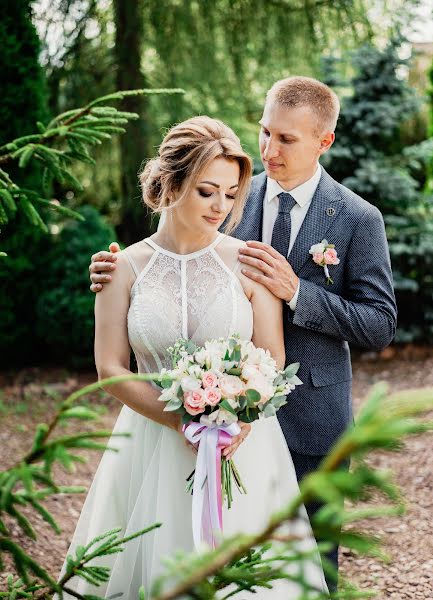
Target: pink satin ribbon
x,y
207,518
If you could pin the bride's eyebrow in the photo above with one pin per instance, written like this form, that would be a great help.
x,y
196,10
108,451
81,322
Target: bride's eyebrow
x,y
217,186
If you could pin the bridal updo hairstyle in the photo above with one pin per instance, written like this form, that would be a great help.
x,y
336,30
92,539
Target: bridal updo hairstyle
x,y
183,154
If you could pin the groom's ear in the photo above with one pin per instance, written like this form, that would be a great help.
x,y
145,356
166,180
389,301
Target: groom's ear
x,y
326,141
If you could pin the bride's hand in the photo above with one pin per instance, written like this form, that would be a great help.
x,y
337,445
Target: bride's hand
x,y
237,440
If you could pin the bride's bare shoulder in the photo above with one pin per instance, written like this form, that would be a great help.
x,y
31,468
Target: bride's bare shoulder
x,y
230,246
140,253
132,259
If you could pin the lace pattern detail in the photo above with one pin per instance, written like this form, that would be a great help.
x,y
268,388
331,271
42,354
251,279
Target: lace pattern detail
x,y
196,296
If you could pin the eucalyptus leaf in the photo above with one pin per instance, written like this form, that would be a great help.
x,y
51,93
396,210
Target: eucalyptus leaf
x,y
278,401
173,404
253,397
291,370
225,404
269,410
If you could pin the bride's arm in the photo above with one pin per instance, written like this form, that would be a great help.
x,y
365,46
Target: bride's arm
x,y
112,349
268,329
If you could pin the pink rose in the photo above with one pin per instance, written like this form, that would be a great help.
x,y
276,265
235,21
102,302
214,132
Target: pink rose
x,y
194,402
330,257
209,380
318,257
230,386
213,396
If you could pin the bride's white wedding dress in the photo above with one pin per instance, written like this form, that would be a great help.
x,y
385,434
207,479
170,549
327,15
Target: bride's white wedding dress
x,y
196,296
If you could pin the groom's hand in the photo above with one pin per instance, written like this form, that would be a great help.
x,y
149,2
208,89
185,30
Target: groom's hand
x,y
102,263
276,273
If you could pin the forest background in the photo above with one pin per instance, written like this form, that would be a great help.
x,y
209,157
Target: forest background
x,y
224,55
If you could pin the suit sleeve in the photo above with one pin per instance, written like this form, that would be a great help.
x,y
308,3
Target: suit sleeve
x,y
366,314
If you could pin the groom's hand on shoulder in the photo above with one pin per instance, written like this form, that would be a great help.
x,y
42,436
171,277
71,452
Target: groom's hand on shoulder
x,y
101,264
276,272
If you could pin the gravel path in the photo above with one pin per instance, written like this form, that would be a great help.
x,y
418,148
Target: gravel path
x,y
408,539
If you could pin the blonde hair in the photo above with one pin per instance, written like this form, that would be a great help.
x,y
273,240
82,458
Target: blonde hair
x,y
305,91
183,154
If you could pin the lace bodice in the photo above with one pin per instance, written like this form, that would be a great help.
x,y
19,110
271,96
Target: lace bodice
x,y
195,296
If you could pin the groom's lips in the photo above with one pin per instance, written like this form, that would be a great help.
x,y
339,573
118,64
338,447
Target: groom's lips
x,y
272,166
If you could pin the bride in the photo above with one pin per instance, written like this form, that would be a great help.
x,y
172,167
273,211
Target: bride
x,y
184,281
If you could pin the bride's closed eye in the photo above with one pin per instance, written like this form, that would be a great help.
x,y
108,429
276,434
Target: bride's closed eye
x,y
205,194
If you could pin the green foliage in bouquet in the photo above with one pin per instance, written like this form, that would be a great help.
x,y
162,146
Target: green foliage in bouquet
x,y
239,564
371,157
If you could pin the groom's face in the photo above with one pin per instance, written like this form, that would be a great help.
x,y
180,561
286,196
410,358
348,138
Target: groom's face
x,y
290,143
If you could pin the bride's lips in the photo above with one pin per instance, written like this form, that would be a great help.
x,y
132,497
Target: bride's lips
x,y
212,220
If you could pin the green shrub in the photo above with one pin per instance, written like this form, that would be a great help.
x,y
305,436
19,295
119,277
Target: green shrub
x,y
64,309
370,156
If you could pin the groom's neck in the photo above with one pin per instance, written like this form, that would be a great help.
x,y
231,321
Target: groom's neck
x,y
298,179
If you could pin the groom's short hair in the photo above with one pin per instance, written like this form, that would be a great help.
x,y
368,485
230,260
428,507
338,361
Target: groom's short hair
x,y
306,91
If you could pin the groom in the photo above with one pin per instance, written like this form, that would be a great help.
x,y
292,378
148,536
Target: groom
x,y
293,205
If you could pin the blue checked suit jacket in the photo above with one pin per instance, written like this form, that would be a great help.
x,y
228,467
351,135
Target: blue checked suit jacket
x,y
358,308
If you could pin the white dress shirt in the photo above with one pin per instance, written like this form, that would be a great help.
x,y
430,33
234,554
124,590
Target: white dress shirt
x,y
303,194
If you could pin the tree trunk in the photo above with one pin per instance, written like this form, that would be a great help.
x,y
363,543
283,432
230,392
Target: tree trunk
x,y
135,144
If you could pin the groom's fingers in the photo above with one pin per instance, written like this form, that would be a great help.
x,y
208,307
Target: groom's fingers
x,y
258,263
261,254
267,281
267,248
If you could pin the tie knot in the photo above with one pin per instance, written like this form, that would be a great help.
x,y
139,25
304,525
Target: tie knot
x,y
287,202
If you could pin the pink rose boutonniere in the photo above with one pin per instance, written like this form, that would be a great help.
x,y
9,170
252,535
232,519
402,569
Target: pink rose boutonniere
x,y
324,254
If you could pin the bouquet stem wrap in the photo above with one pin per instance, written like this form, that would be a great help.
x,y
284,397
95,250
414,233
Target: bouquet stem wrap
x,y
207,494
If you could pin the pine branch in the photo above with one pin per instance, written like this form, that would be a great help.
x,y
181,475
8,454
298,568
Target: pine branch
x,y
75,130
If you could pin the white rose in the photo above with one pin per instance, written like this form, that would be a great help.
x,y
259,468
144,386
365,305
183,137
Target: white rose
x,y
249,371
263,386
195,371
221,416
200,357
230,386
317,248
190,384
268,371
215,362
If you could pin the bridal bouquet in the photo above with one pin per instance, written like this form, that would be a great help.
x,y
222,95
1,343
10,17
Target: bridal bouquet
x,y
213,387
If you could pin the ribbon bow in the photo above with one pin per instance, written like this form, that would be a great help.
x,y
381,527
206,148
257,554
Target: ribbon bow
x,y
207,493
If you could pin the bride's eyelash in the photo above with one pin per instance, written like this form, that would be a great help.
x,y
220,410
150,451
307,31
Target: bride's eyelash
x,y
204,194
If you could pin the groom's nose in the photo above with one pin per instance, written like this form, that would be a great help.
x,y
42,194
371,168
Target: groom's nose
x,y
270,149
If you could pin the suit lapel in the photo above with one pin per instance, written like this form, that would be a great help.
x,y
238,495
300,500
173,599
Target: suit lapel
x,y
324,209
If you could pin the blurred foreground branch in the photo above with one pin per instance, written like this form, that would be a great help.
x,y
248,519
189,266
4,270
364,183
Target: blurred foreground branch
x,y
245,562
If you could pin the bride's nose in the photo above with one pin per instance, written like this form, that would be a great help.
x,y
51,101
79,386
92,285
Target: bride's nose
x,y
219,203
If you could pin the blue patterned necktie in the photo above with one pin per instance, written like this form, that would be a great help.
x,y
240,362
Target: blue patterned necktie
x,y
283,224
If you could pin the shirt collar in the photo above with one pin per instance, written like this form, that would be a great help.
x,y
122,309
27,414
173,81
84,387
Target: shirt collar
x,y
302,193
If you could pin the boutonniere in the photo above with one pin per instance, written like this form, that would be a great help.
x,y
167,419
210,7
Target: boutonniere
x,y
325,254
